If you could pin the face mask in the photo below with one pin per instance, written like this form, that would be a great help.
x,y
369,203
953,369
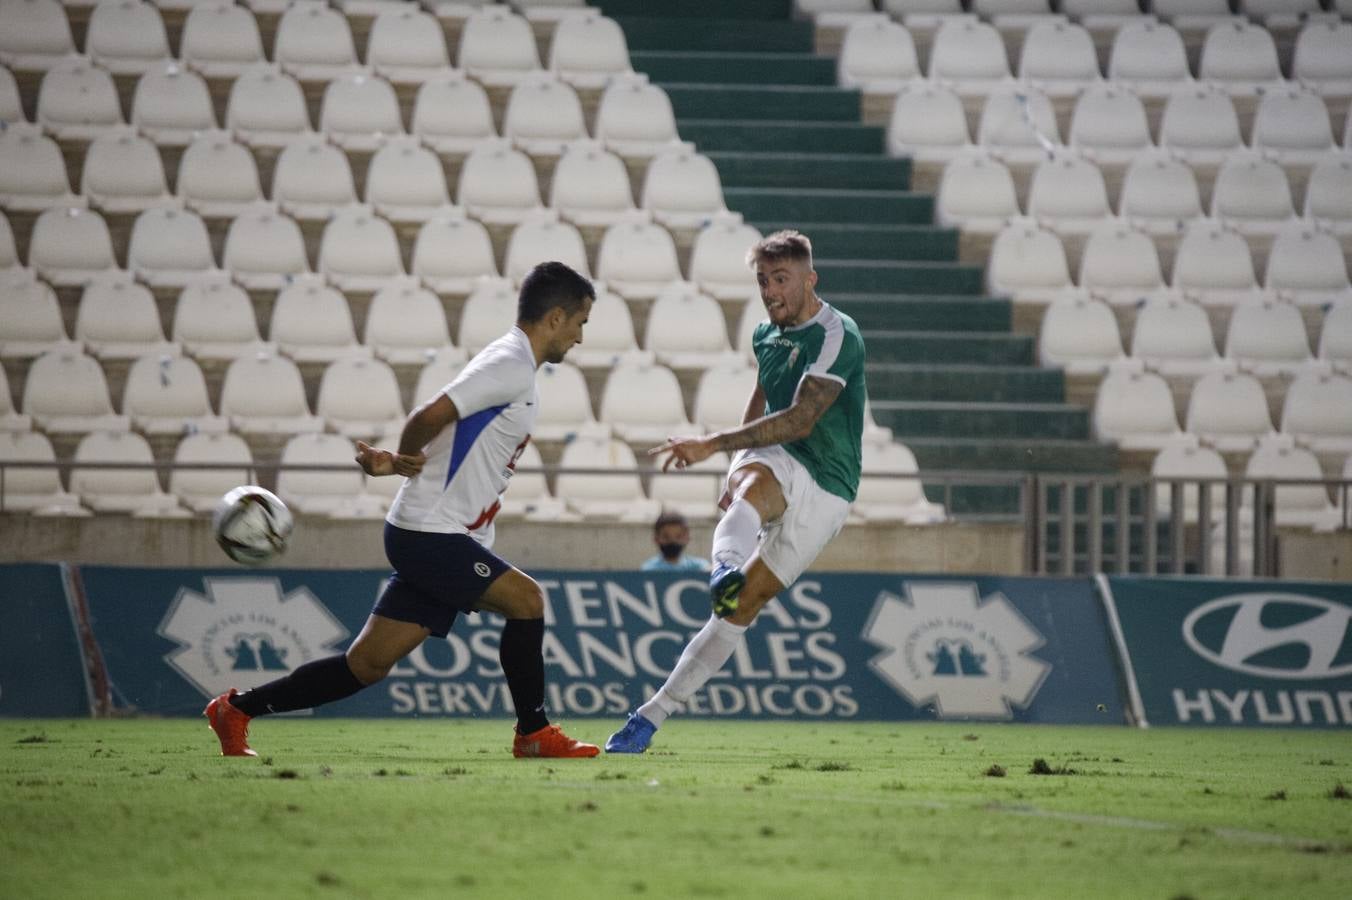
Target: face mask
x,y
671,551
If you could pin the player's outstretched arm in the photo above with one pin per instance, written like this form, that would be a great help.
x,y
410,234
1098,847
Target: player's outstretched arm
x,y
423,424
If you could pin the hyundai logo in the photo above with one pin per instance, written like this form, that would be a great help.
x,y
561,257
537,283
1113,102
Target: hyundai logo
x,y
1273,635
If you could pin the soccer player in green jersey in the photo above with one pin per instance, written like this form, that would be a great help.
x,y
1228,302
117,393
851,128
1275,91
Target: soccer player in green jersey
x,y
794,475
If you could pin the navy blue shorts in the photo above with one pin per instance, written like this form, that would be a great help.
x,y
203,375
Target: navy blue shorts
x,y
435,576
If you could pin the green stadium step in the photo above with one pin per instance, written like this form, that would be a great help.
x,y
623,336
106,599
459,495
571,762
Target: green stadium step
x,y
822,170
742,102
1055,421
701,9
976,500
920,312
714,135
999,349
948,384
885,276
726,33
838,205
1012,454
834,240
735,68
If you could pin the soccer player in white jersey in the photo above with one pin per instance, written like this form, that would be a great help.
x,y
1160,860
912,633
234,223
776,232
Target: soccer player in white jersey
x,y
457,452
794,475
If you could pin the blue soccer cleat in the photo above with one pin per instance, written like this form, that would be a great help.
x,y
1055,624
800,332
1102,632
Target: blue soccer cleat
x,y
634,737
725,586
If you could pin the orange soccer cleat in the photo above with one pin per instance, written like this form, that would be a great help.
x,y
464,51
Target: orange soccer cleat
x,y
230,725
550,742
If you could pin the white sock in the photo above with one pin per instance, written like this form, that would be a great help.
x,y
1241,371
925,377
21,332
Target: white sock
x,y
706,653
736,534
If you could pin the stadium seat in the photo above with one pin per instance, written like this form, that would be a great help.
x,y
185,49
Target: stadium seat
x,y
311,322
497,47
1159,192
1308,264
527,495
67,393
405,322
34,35
637,259
1200,124
565,404
1294,505
312,179
451,114
877,56
1109,121
1278,14
439,371
1192,14
30,317
498,184
1335,338
1028,262
1252,195
1120,262
359,112
406,183
893,499
407,45
200,490
1215,262
263,395
1019,124
722,394
1228,411
642,403
1193,462
543,237
214,320
32,171
126,37
168,395
635,119
9,253
70,244
451,252
338,493
117,319
1135,410
686,329
1323,56
172,105
589,50
970,55
77,101
718,261
1268,338
10,420
1079,335
11,105
218,177
1149,58
976,193
928,123
169,247
693,491
123,173
753,313
543,113
1068,195
1294,124
1059,58
1316,412
1173,336
314,42
264,249
359,250
266,108
489,313
36,490
359,398
221,39
1106,14
1328,193
590,185
682,189
1240,56
604,496
610,332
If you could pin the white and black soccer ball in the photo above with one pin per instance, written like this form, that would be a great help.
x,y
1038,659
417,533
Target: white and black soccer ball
x,y
252,525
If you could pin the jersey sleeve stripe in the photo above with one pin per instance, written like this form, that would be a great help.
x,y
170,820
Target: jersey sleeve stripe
x,y
831,344
467,431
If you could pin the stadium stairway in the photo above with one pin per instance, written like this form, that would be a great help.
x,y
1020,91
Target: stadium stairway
x,y
946,372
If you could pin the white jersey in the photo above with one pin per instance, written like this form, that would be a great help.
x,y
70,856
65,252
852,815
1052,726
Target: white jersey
x,y
469,463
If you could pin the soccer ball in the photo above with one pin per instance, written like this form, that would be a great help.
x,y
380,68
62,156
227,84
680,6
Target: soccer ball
x,y
252,525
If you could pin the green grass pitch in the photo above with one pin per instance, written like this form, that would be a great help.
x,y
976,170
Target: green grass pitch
x,y
381,808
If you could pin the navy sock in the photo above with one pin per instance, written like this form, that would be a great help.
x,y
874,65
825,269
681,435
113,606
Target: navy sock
x,y
522,656
313,684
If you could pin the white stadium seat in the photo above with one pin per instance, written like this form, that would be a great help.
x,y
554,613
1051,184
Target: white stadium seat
x,y
126,37
1309,264
1120,262
34,34
976,193
311,322
1228,411
1149,57
1241,56
718,259
1019,123
686,329
877,56
439,371
1069,195
1294,123
1335,337
1316,412
589,50
451,252
35,490
312,180
682,189
489,313
1295,505
1201,125
407,45
77,100
1159,192
1028,262
884,499
359,112
565,404
172,105
200,490
1079,335
635,118
69,245
1328,193
527,494
692,491
642,402
498,184
263,395
11,105
970,55
266,108
9,253
168,395
405,322
610,332
722,394
637,259
1173,336
406,182
133,491
214,320
221,39
1215,262
590,186
1323,55
359,250
1059,58
123,173
541,238
604,496
66,392
118,319
497,47
359,398
1186,459
338,493
32,171
1252,194
543,113
169,247
264,249
30,317
1109,121
314,42
928,123
451,114
218,177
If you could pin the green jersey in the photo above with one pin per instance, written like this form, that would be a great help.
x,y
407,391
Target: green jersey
x,y
826,346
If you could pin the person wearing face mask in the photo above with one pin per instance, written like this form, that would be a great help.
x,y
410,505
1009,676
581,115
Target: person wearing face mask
x,y
671,534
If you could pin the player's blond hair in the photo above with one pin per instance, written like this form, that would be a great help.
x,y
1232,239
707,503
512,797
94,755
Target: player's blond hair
x,y
786,244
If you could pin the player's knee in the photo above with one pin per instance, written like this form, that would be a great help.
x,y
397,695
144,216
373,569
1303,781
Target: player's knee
x,y
367,668
528,602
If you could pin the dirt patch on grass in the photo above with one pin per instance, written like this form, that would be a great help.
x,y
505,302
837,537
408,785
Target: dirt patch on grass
x,y
1040,767
1340,792
995,771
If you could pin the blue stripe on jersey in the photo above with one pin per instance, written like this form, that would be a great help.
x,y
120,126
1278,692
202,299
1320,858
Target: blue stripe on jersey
x,y
467,431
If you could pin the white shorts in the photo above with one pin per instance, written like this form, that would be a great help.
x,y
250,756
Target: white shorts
x,y
812,515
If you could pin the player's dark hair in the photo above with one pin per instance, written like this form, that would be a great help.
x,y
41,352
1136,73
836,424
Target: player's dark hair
x,y
548,285
669,517
787,244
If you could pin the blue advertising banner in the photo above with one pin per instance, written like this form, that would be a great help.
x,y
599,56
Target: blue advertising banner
x,y
831,647
1209,652
42,672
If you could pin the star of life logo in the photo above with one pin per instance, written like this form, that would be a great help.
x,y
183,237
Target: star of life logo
x,y
243,632
944,644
